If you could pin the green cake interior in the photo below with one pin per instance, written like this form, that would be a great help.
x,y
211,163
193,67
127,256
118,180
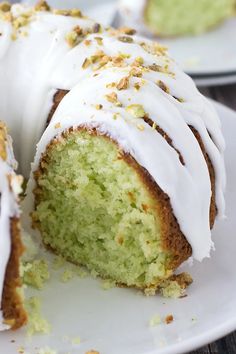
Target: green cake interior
x,y
181,17
93,209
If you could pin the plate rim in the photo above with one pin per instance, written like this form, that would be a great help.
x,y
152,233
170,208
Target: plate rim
x,y
217,332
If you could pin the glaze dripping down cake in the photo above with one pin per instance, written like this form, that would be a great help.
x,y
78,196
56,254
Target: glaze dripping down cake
x,y
128,175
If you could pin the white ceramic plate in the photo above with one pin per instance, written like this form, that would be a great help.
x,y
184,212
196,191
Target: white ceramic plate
x,y
213,52
117,320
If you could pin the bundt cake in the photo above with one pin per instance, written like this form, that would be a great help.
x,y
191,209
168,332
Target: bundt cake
x,y
12,314
128,174
175,18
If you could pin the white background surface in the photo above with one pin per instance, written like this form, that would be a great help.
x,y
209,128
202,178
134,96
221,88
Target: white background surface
x,y
117,321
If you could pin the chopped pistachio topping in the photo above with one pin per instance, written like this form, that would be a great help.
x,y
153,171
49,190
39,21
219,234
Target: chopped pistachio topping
x,y
140,127
124,55
136,110
77,29
99,106
113,98
127,30
5,6
22,20
118,60
75,36
125,39
123,84
155,67
155,321
42,6
86,63
87,42
3,133
98,57
138,61
72,12
72,38
137,86
99,40
96,28
136,72
111,85
163,86
154,48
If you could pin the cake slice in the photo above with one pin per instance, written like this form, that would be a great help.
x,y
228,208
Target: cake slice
x,y
171,18
12,313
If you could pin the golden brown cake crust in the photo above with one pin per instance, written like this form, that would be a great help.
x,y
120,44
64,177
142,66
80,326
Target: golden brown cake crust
x,y
59,95
13,311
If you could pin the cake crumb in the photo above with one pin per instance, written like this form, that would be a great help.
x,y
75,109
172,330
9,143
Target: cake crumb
x,y
150,291
67,275
36,324
35,273
169,319
92,352
175,286
155,320
108,284
58,262
46,350
76,340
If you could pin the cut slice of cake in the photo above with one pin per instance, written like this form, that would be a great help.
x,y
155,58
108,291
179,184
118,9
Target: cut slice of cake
x,y
171,18
12,313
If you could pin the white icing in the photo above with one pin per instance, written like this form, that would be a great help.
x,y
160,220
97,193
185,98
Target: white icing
x,y
9,189
34,67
